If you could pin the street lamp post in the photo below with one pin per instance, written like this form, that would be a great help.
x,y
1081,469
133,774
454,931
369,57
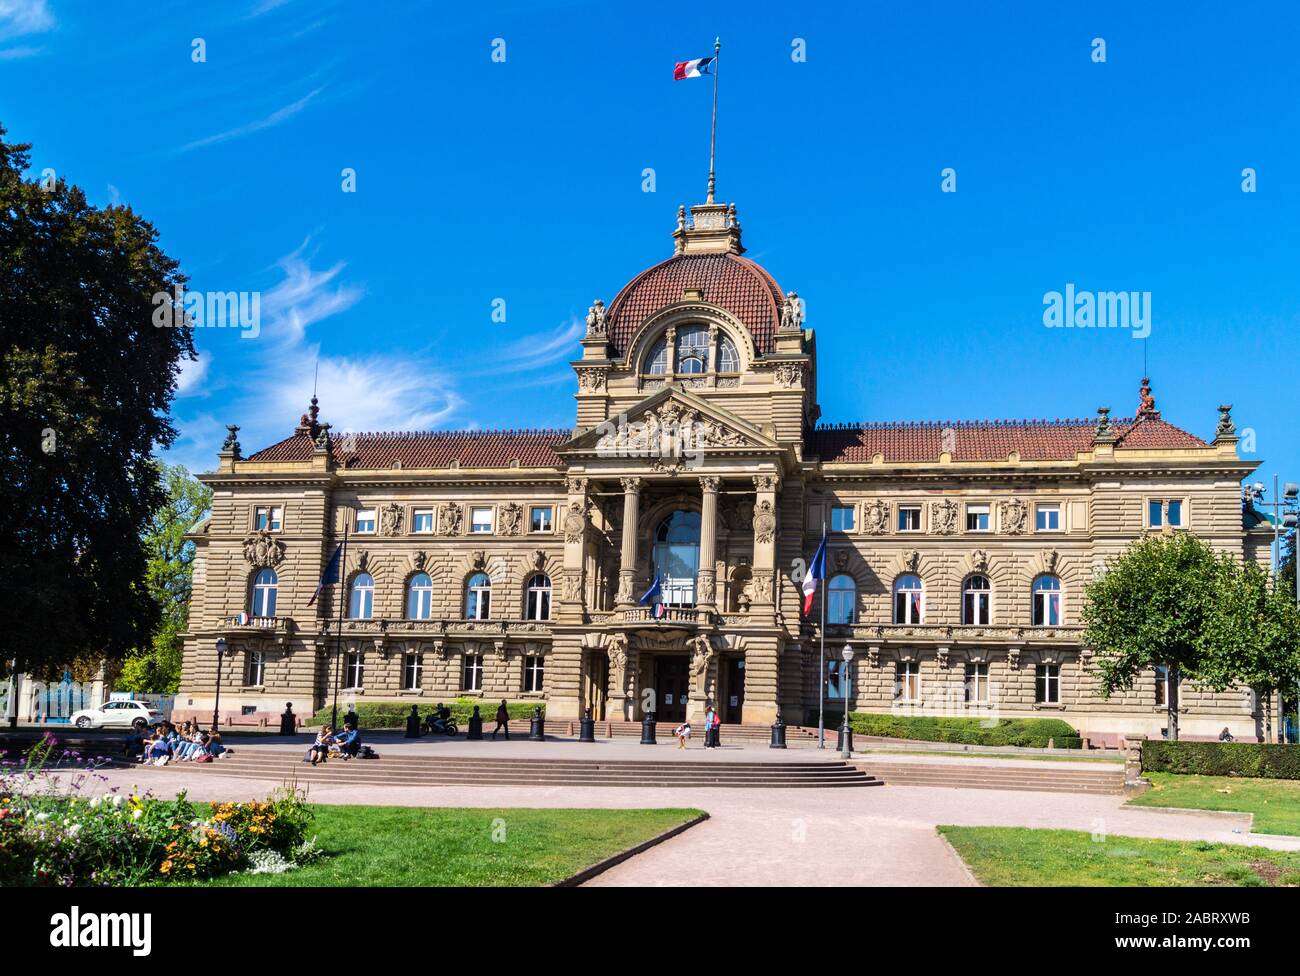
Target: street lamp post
x,y
216,701
846,732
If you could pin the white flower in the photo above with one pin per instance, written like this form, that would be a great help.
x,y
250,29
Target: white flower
x,y
118,800
42,817
137,814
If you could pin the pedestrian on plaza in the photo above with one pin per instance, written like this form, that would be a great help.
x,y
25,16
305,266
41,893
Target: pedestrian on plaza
x,y
683,733
717,728
503,721
708,726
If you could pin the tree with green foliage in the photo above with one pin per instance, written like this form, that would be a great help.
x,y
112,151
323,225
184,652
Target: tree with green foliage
x,y
86,382
1258,638
1158,604
156,668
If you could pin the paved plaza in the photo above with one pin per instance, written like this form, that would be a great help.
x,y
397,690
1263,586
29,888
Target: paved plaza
x,y
805,837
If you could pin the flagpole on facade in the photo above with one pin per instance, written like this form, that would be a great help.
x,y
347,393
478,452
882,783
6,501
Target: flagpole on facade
x,y
821,656
713,134
338,641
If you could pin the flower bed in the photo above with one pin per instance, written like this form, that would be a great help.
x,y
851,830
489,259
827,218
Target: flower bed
x,y
52,834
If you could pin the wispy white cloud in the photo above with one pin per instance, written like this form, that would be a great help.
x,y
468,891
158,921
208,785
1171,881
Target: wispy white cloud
x,y
277,117
20,17
535,352
193,373
266,6
305,297
18,53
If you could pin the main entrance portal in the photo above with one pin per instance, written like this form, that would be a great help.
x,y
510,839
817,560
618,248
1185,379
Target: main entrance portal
x,y
672,687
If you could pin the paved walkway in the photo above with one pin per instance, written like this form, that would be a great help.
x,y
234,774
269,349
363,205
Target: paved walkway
x,y
803,837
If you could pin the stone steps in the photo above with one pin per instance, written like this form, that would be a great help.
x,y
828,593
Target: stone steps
x,y
415,771
965,775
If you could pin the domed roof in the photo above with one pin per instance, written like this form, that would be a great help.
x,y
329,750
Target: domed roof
x,y
729,281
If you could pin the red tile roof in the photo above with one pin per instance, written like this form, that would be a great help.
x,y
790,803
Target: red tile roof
x,y
472,448
730,281
989,440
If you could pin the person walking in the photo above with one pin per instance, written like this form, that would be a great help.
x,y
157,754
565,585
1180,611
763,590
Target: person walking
x,y
503,721
683,733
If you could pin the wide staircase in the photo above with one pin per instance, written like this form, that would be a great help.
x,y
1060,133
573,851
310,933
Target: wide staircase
x,y
1108,778
393,770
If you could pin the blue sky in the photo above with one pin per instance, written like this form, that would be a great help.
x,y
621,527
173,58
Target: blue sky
x,y
522,180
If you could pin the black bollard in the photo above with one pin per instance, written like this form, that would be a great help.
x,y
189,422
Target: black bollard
x,y
475,731
845,737
648,729
413,723
537,726
778,734
587,728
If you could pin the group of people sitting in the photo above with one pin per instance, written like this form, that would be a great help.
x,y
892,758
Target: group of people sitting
x,y
344,744
167,743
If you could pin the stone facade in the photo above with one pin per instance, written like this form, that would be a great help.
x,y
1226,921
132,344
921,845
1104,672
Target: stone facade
x,y
511,564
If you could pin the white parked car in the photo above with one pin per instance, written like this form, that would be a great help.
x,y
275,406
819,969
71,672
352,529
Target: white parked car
x,y
117,715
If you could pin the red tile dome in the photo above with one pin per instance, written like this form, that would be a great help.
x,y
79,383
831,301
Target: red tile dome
x,y
727,280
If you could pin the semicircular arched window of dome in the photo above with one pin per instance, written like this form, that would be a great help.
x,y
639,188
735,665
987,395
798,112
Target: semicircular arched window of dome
x,y
692,349
656,363
728,357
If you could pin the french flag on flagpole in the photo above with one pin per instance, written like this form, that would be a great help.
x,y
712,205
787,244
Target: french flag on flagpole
x,y
331,574
654,598
691,69
816,572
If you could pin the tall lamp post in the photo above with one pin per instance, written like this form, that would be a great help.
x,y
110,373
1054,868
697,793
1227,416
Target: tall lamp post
x,y
216,701
846,675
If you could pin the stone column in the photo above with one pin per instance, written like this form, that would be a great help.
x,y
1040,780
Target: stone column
x,y
627,561
765,524
706,581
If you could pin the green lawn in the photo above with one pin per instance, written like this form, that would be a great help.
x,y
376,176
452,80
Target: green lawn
x,y
1017,856
1274,802
409,846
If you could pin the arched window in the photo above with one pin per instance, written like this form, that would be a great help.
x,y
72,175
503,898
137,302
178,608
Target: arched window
x,y
841,599
657,362
909,599
538,603
419,597
264,589
362,604
478,597
977,601
1047,602
692,349
728,358
676,557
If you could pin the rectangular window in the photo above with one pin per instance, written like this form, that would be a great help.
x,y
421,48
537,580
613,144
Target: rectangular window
x,y
541,518
422,520
1155,513
839,680
1162,685
1047,518
268,518
909,518
534,672
256,672
471,678
907,681
842,518
1047,684
1165,511
365,521
352,672
411,672
977,684
1174,513
977,518
480,520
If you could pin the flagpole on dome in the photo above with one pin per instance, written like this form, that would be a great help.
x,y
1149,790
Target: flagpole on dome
x,y
713,134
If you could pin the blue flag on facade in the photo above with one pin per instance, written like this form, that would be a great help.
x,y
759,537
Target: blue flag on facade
x,y
654,598
331,574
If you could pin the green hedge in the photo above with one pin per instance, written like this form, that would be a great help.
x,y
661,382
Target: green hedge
x,y
1270,760
392,715
1033,732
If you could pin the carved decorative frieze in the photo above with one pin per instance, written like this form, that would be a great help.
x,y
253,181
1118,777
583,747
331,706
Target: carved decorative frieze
x,y
478,559
1015,516
591,380
573,586
979,561
262,549
788,375
943,516
765,482
510,520
875,517
764,523
391,517
451,519
575,523
419,559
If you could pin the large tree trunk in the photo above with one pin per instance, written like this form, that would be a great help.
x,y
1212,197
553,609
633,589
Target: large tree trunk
x,y
1175,677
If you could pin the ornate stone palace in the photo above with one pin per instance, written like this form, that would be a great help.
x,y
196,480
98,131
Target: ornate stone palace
x,y
510,564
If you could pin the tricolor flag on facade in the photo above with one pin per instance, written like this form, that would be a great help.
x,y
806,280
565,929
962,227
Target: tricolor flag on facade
x,y
654,598
691,69
816,572
331,574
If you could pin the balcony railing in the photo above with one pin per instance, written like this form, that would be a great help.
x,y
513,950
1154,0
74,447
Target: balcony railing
x,y
966,633
242,623
398,627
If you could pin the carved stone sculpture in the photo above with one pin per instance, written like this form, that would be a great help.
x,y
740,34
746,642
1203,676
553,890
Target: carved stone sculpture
x,y
264,550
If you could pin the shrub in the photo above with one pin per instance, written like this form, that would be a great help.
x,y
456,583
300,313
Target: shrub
x,y
1270,760
1031,732
392,715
